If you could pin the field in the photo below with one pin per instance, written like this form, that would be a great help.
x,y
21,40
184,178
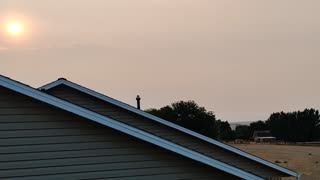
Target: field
x,y
302,159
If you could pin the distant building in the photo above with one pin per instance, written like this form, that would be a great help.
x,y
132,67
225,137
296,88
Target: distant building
x,y
263,136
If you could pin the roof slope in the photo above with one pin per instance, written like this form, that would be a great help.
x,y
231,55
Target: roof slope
x,y
39,141
59,103
166,123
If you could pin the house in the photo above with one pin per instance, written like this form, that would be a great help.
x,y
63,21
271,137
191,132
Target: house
x,y
65,131
263,136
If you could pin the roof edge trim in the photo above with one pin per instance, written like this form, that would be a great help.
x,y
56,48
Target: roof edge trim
x,y
51,100
162,121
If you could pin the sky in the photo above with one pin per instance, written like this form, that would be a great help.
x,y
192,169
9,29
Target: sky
x,y
242,60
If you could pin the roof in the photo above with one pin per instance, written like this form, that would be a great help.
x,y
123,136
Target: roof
x,y
63,81
67,106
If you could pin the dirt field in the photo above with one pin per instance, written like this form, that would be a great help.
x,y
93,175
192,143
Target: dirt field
x,y
302,159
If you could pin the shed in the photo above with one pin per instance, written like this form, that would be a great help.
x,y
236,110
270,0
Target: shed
x,y
263,136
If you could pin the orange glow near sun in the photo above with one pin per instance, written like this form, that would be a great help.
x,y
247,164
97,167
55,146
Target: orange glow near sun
x,y
15,28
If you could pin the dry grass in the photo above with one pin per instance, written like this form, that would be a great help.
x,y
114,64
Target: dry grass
x,y
302,159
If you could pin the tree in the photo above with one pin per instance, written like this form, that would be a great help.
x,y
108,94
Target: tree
x,y
259,126
243,132
295,126
224,130
191,116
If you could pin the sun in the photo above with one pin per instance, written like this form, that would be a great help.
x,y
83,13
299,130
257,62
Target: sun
x,y
14,28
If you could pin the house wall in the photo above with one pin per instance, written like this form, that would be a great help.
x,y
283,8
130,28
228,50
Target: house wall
x,y
38,141
163,131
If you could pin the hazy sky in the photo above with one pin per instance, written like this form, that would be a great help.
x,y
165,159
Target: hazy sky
x,y
241,59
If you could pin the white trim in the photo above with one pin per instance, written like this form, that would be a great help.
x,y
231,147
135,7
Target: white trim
x,y
33,93
162,121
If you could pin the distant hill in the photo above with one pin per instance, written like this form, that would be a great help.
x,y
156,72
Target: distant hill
x,y
233,125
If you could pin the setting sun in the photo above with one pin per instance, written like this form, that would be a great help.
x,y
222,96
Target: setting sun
x,y
14,28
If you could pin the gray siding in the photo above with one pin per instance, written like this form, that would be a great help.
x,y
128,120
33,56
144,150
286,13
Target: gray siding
x,y
125,116
38,141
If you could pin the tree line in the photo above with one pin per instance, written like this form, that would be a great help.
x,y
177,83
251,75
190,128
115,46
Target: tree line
x,y
295,126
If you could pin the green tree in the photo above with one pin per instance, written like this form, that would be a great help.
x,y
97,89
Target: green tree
x,y
224,130
295,126
259,126
243,132
191,116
